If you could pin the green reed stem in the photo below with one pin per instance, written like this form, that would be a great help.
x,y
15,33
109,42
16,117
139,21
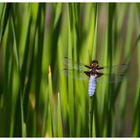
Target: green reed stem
x,y
90,115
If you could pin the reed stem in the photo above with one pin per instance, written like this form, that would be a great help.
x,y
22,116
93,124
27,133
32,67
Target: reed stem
x,y
90,115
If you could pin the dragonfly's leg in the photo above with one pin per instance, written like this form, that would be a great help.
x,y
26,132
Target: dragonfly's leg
x,y
87,73
99,74
87,66
99,68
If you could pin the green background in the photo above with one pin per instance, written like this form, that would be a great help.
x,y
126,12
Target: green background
x,y
37,99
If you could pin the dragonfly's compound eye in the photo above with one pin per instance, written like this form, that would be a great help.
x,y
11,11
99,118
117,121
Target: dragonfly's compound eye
x,y
95,62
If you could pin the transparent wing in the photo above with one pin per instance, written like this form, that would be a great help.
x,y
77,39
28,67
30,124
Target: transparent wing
x,y
69,63
115,69
110,78
111,74
75,74
106,77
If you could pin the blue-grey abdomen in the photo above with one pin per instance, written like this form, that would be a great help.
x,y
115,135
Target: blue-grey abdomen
x,y
92,85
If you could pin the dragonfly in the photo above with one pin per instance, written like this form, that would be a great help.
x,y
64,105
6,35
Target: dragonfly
x,y
93,72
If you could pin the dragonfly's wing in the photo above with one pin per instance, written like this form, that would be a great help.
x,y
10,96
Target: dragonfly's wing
x,y
111,74
70,64
74,69
110,78
75,74
115,69
106,77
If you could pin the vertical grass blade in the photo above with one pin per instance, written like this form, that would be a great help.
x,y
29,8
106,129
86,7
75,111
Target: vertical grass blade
x,y
59,117
91,116
50,106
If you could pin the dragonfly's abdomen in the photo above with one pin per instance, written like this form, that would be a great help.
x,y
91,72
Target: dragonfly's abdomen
x,y
92,85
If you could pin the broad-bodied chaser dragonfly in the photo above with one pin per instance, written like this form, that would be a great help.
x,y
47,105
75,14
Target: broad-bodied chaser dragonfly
x,y
94,72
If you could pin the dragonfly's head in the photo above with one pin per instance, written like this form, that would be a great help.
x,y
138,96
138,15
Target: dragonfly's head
x,y
94,63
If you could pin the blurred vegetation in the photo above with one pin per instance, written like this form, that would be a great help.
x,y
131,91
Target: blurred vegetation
x,y
37,99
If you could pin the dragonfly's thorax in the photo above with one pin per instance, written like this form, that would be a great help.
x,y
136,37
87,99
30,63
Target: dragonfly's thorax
x,y
94,71
94,67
